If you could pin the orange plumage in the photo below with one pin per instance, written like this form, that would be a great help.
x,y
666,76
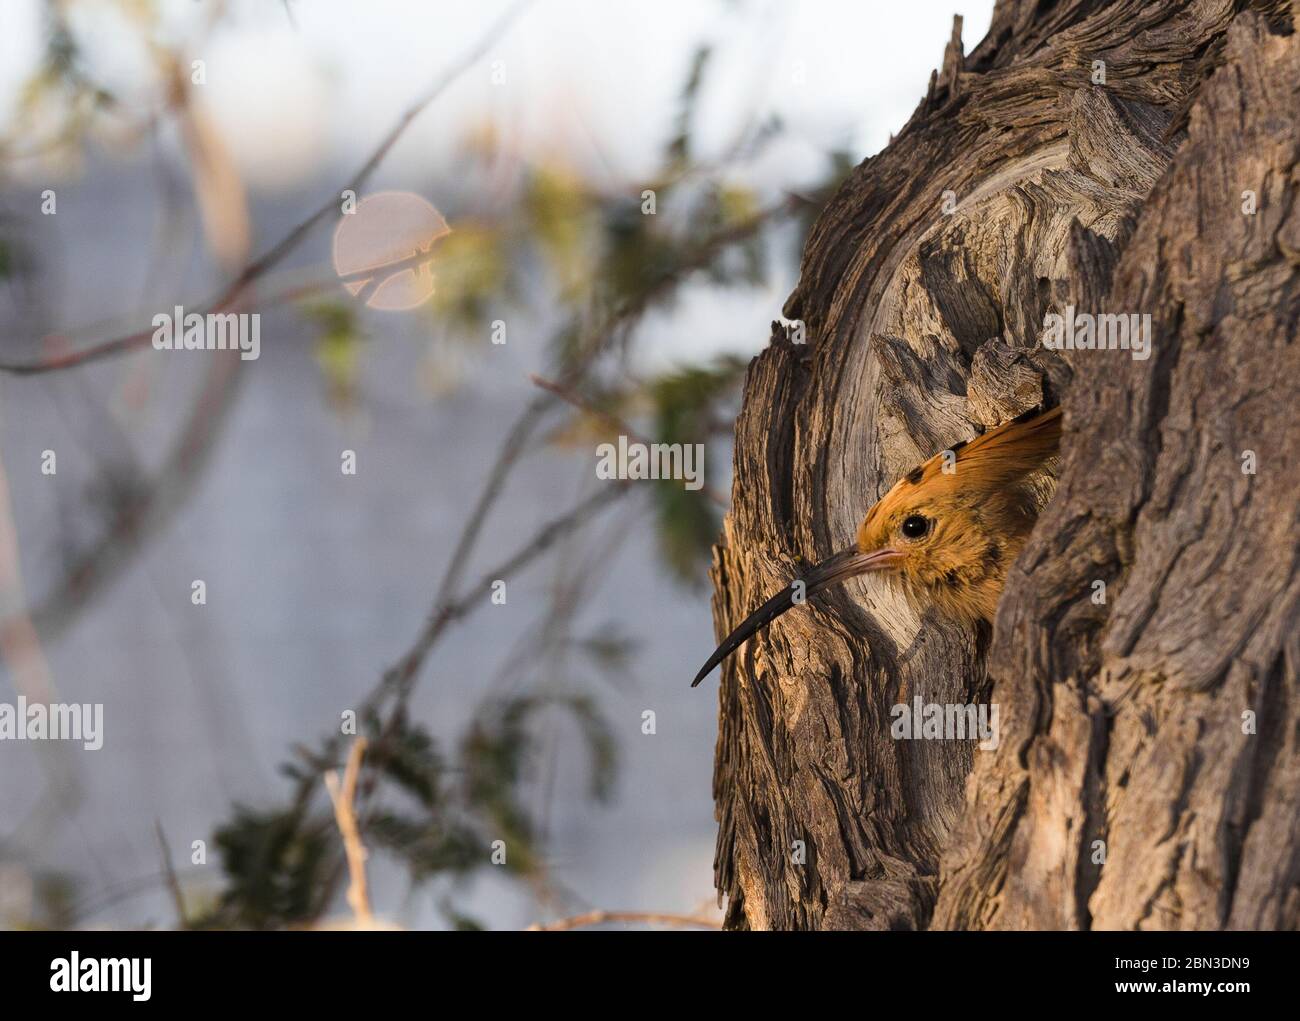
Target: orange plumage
x,y
978,514
946,533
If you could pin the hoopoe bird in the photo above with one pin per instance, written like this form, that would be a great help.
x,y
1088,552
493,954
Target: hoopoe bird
x,y
945,534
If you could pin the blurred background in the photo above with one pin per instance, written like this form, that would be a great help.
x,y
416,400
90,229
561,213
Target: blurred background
x,y
627,188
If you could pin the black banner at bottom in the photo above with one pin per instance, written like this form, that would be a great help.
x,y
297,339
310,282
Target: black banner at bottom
x,y
145,970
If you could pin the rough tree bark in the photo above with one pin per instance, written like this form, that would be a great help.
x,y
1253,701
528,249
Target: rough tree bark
x,y
1159,729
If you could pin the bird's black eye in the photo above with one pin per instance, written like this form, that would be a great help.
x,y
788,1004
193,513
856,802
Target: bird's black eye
x,y
915,526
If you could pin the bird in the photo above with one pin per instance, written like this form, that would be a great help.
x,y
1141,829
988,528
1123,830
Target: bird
x,y
945,534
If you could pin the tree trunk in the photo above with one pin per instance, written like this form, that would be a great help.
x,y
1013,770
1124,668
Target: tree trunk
x,y
1144,662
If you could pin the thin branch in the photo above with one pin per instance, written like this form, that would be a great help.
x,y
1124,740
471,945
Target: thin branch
x,y
511,449
252,271
569,396
344,800
91,571
169,872
517,438
645,917
402,675
399,680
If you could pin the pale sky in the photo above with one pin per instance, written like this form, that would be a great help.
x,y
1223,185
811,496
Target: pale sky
x,y
593,84
594,80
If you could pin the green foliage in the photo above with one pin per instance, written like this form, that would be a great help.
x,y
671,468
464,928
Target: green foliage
x,y
409,757
439,838
687,528
437,811
54,896
17,260
276,865
425,847
498,749
685,400
459,921
726,207
638,254
338,345
679,146
434,818
472,275
609,650
602,751
686,403
61,73
51,907
560,214
842,163
494,752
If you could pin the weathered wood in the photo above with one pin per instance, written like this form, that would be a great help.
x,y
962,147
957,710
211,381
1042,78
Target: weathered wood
x,y
1120,722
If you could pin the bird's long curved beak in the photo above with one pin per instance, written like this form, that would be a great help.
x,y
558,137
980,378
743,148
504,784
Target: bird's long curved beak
x,y
845,564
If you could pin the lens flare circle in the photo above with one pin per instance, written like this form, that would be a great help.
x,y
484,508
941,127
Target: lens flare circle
x,y
383,250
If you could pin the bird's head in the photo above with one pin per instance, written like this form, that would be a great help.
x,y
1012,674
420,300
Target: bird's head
x,y
945,534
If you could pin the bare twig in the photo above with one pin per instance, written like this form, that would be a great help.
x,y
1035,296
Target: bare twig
x,y
344,800
400,679
448,606
169,872
646,917
233,292
570,396
403,674
517,438
91,571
